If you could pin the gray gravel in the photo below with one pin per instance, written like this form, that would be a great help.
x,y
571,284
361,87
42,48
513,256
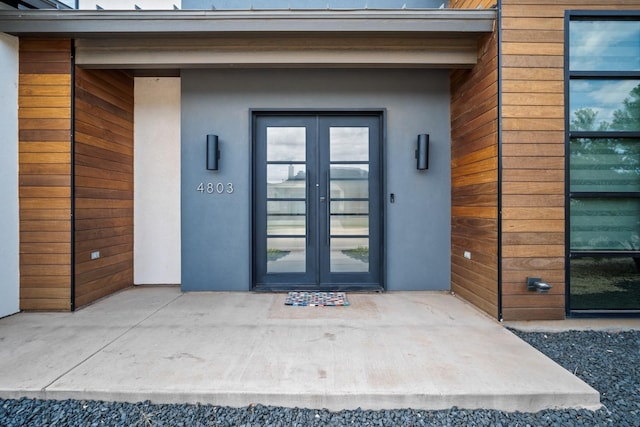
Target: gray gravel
x,y
607,361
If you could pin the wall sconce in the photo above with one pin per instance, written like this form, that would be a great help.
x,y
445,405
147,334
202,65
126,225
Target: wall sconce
x,y
213,152
536,284
422,152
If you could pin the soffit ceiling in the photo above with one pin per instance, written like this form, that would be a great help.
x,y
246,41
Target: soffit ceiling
x,y
330,38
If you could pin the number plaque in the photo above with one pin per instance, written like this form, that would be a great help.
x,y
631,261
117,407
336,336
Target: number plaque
x,y
215,188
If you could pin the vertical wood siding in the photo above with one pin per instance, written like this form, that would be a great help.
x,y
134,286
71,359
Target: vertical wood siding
x,y
474,177
44,121
103,183
533,151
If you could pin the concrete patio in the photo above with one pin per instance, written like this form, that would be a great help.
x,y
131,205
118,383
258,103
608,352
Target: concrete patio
x,y
420,350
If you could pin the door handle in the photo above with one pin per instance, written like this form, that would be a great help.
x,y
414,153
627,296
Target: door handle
x,y
307,206
328,209
323,199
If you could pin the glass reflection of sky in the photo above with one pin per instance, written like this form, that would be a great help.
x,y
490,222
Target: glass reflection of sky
x,y
602,96
286,144
349,144
604,45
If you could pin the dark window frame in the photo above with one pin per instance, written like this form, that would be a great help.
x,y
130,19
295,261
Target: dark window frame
x,y
591,15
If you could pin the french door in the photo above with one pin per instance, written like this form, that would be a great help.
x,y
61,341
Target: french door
x,y
317,201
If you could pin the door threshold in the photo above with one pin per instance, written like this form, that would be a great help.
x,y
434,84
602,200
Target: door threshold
x,y
340,288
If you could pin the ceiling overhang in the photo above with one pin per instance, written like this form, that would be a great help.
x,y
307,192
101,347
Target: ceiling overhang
x,y
331,38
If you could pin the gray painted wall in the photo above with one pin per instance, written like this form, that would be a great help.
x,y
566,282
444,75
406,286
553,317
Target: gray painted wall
x,y
215,227
9,243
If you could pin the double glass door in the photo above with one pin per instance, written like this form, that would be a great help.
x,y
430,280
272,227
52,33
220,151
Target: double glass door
x,y
316,201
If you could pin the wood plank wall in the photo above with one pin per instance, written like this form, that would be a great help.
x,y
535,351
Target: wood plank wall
x,y
533,149
474,177
45,174
103,183
472,4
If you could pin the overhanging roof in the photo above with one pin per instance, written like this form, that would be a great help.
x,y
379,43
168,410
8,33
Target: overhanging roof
x,y
187,38
83,23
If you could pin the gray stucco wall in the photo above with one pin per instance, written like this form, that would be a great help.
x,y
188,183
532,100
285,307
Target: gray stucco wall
x,y
9,243
216,227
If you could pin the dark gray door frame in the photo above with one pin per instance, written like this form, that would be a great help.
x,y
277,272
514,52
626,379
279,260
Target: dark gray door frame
x,y
314,280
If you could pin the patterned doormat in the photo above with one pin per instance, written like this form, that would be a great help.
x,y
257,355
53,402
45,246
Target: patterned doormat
x,y
317,299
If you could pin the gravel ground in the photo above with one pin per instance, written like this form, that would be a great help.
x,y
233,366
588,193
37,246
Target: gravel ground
x,y
607,361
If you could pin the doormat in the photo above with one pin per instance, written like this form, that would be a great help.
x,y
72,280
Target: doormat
x,y
317,299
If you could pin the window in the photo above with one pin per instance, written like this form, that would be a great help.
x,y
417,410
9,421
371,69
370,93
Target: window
x,y
603,162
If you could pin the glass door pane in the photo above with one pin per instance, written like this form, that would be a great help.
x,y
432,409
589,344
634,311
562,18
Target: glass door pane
x,y
286,249
349,193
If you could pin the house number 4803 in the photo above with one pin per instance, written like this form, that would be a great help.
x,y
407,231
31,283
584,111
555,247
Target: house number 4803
x,y
219,188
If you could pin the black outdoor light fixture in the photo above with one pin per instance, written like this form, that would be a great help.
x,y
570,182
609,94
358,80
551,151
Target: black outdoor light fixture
x,y
422,152
536,284
213,152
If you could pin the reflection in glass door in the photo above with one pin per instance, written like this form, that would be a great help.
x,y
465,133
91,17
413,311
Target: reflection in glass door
x,y
317,202
348,202
286,199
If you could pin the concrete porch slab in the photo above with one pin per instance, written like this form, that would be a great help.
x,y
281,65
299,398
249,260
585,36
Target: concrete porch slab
x,y
417,350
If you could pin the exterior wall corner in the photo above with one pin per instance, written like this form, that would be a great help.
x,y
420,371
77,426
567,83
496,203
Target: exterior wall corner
x,y
474,180
9,214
